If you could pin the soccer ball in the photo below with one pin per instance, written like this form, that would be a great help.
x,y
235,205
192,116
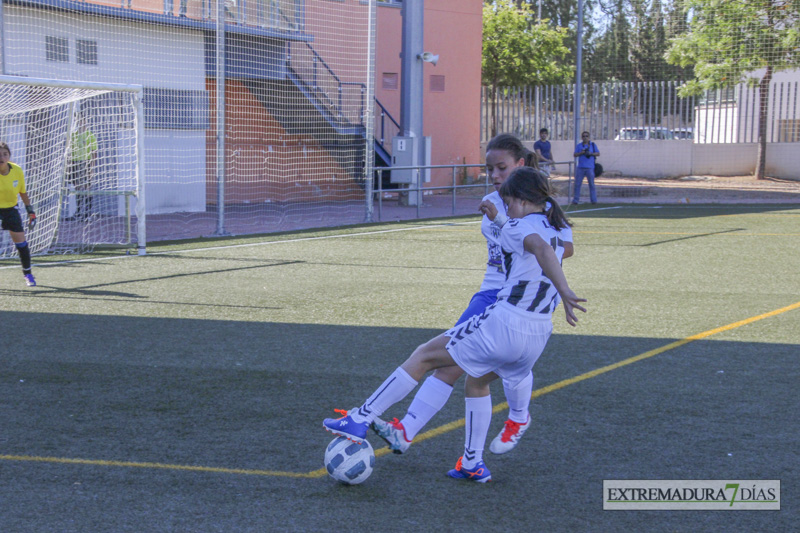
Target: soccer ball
x,y
348,462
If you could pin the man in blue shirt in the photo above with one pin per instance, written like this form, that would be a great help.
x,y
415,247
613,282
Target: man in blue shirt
x,y
586,152
542,149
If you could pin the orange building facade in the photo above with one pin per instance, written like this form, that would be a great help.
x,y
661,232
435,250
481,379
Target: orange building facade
x,y
451,116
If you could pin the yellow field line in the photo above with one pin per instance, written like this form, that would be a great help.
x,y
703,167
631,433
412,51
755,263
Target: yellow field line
x,y
96,462
423,436
602,370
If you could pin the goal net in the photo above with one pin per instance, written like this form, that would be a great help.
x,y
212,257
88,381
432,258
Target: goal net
x,y
77,144
256,114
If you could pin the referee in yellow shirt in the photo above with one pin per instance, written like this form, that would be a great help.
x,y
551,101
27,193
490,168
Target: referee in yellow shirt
x,y
12,184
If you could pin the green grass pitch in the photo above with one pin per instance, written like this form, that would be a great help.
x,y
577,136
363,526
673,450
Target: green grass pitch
x,y
184,390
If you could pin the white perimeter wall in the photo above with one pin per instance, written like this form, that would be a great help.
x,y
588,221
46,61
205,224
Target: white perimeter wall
x,y
146,54
660,159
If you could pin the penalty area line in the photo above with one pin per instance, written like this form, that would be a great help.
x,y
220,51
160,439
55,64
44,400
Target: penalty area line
x,y
244,245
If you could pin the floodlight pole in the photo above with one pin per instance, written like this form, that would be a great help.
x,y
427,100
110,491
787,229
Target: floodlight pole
x,y
411,80
2,38
413,13
220,73
578,75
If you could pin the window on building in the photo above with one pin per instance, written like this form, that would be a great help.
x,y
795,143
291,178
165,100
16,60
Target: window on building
x,y
437,83
173,109
391,81
56,48
719,96
86,52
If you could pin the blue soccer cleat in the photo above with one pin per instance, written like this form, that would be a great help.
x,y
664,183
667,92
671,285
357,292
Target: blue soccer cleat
x,y
480,473
29,280
346,427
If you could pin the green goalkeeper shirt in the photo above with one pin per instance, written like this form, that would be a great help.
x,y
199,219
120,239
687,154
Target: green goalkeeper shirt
x,y
84,145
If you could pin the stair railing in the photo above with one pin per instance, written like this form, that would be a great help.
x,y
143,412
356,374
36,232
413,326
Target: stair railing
x,y
385,122
327,87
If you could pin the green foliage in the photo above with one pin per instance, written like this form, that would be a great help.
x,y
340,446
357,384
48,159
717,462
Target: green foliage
x,y
632,45
728,41
518,51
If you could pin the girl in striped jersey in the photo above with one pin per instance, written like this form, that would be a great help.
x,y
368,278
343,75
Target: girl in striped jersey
x,y
506,339
504,154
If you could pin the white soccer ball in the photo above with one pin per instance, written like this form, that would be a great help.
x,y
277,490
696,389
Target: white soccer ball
x,y
348,462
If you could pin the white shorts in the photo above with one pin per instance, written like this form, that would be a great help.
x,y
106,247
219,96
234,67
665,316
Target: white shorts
x,y
500,340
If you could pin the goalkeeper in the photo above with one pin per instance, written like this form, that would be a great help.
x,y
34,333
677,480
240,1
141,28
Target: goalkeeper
x,y
84,153
12,184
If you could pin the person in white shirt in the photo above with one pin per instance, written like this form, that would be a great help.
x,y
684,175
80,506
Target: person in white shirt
x,y
506,339
504,153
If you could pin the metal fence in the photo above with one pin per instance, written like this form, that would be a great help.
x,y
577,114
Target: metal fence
x,y
643,110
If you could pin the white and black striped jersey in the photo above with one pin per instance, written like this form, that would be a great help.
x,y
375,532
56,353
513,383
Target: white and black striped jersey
x,y
526,286
495,275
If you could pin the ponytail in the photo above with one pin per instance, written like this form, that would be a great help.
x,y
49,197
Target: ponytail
x,y
531,159
511,144
555,215
533,186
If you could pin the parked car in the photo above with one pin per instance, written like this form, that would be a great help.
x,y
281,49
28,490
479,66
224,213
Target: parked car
x,y
683,134
644,133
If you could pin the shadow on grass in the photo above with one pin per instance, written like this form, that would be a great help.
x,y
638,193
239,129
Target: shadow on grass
x,y
668,211
251,395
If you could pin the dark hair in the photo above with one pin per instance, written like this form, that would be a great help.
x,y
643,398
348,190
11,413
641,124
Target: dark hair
x,y
543,130
510,143
532,185
585,133
5,145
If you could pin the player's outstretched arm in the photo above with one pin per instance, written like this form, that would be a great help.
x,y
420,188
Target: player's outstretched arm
x,y
552,269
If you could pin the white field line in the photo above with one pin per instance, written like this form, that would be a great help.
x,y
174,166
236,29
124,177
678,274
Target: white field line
x,y
300,239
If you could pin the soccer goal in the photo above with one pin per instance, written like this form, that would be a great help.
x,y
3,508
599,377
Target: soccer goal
x,y
80,146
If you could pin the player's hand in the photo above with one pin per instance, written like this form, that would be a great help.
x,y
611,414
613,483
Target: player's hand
x,y
572,302
31,216
488,208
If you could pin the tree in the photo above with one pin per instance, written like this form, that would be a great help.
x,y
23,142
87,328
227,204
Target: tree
x,y
632,45
517,50
730,42
610,52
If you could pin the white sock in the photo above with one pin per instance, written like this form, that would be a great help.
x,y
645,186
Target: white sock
x,y
395,388
428,401
478,417
519,399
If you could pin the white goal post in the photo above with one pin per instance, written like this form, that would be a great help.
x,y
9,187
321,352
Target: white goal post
x,y
80,145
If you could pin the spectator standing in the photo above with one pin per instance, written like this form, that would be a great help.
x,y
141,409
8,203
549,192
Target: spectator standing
x,y
544,152
586,151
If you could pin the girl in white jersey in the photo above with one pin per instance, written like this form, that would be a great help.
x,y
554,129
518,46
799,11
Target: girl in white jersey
x,y
506,339
504,153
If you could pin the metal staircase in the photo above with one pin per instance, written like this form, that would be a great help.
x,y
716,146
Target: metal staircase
x,y
313,100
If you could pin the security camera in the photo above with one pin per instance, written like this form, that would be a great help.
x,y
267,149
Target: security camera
x,y
428,57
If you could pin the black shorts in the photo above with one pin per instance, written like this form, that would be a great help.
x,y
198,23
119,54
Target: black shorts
x,y
11,220
78,174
